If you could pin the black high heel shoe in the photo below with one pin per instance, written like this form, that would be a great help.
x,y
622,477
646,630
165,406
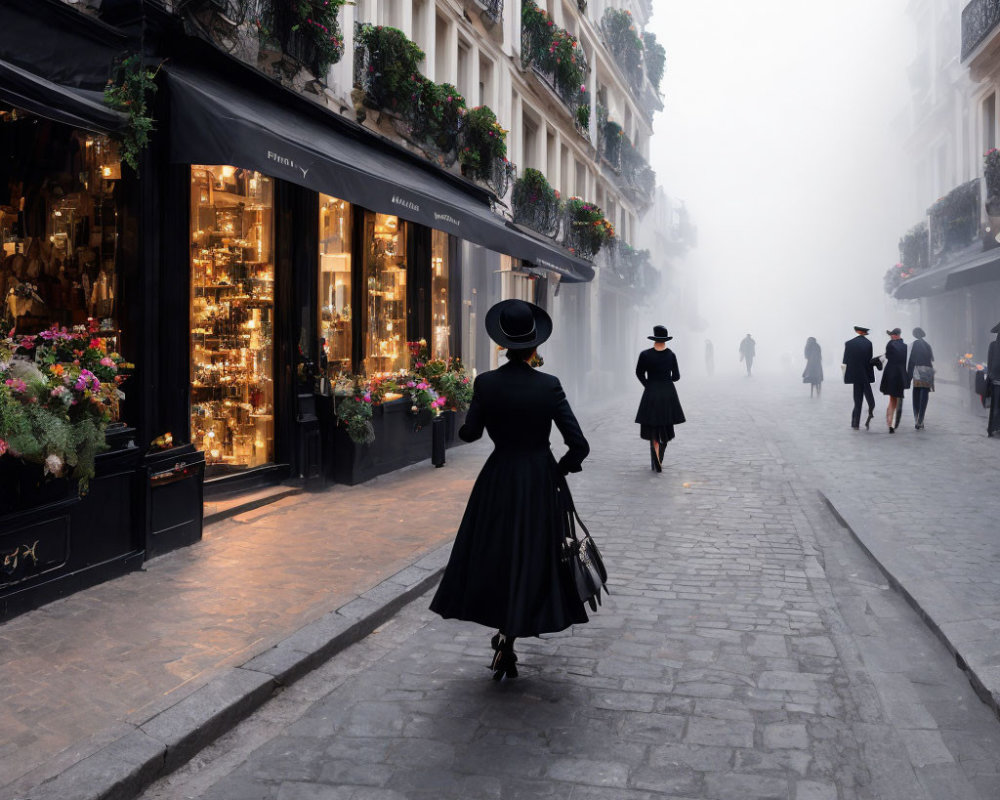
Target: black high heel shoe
x,y
504,664
652,456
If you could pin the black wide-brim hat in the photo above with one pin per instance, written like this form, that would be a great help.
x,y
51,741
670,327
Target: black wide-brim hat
x,y
660,334
518,324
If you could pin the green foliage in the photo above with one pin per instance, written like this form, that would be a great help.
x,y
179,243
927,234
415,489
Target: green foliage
x,y
914,248
128,91
355,412
392,78
624,41
588,228
484,141
535,203
318,19
655,57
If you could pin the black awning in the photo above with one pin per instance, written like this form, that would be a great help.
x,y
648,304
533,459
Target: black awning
x,y
80,108
213,121
985,267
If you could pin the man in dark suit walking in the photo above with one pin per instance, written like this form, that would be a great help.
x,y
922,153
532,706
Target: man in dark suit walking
x,y
858,370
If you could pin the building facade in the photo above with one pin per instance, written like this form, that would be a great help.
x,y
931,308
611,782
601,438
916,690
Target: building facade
x,y
327,189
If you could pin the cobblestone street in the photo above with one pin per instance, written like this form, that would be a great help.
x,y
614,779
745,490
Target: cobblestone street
x,y
750,648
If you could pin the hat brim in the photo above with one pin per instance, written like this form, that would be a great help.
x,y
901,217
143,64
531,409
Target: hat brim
x,y
543,326
660,338
861,330
995,328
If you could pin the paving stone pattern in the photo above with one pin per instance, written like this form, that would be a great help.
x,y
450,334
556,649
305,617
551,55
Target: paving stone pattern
x,y
84,670
748,651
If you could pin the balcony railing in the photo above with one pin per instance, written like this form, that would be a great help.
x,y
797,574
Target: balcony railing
x,y
979,19
492,9
632,172
955,220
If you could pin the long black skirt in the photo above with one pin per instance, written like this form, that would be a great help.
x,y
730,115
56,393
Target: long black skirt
x,y
659,410
505,569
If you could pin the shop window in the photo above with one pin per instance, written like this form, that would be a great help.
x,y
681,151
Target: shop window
x,y
440,319
335,313
385,339
58,226
232,318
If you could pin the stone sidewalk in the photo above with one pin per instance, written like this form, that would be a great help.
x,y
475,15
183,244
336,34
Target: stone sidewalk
x,y
85,671
924,504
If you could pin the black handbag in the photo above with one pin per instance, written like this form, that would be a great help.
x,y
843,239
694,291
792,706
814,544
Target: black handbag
x,y
582,558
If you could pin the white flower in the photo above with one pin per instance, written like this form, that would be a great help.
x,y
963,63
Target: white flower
x,y
53,465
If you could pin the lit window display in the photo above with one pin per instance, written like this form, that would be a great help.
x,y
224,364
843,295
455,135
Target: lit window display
x,y
440,320
232,318
335,315
58,226
385,294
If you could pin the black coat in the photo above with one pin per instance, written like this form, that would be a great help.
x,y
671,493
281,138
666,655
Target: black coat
x,y
894,380
660,408
858,358
921,355
505,570
813,373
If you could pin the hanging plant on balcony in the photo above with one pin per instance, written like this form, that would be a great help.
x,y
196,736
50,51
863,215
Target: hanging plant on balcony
x,y
441,109
914,249
587,228
128,91
624,42
388,67
955,217
483,142
536,33
614,136
535,203
318,20
655,58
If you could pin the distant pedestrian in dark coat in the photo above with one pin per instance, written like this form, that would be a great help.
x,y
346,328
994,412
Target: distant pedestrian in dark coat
x,y
813,373
920,371
860,373
748,351
709,358
660,408
505,569
894,379
993,382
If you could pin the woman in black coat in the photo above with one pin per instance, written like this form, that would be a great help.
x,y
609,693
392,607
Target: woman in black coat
x,y
920,371
660,408
894,378
813,373
505,569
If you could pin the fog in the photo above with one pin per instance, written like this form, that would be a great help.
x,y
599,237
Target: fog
x,y
778,133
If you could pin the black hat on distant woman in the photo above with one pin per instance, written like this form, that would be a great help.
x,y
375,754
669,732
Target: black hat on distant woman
x,y
660,334
518,324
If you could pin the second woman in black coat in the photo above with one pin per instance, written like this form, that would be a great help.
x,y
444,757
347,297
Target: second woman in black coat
x,y
920,371
505,569
660,408
894,378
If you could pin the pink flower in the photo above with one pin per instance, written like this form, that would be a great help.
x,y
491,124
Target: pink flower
x,y
3,447
17,385
107,362
410,384
368,397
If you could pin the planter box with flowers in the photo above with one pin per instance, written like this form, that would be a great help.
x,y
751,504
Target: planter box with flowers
x,y
67,474
483,150
382,424
535,203
586,228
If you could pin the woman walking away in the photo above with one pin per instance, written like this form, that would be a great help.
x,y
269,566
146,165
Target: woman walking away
x,y
920,371
894,378
660,408
813,373
505,569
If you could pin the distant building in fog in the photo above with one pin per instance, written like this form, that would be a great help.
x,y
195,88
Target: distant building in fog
x,y
950,259
668,234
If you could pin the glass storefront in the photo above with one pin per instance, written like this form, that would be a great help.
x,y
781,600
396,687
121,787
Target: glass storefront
x,y
335,313
440,318
58,226
232,318
385,348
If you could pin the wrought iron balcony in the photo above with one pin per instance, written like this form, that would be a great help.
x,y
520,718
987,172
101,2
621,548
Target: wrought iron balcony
x,y
492,9
955,220
979,19
632,172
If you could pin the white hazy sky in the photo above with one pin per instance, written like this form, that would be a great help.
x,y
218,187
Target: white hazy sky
x,y
777,133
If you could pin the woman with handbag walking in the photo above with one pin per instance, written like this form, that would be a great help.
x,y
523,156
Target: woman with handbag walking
x,y
894,378
813,373
507,568
920,370
660,408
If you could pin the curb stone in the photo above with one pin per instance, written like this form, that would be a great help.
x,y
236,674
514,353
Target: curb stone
x,y
984,680
156,747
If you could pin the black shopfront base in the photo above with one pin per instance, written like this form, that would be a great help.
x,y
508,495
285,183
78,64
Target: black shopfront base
x,y
174,495
57,542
